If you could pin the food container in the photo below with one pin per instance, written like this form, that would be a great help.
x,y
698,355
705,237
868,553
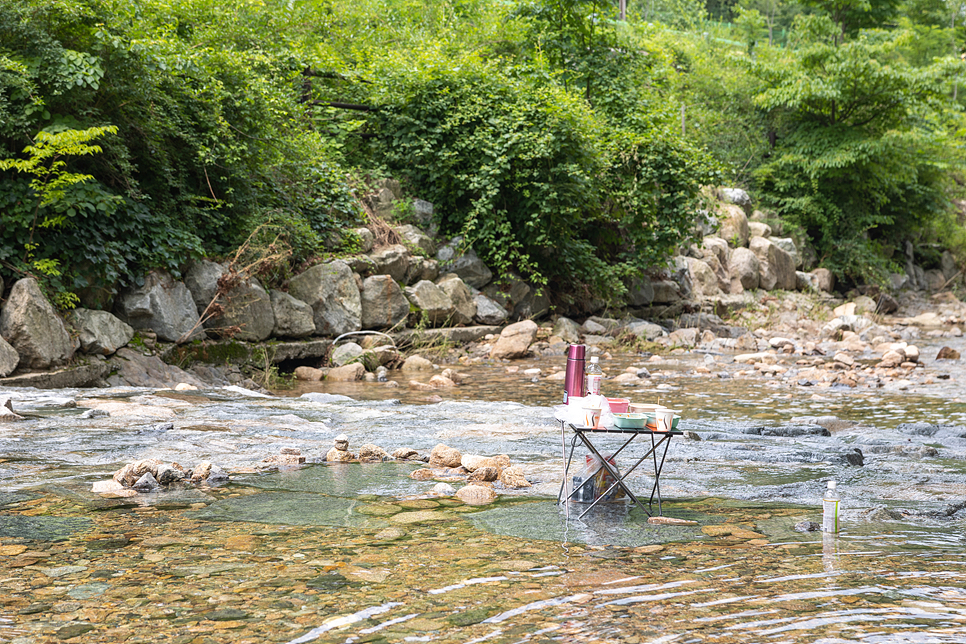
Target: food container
x,y
644,408
630,421
618,405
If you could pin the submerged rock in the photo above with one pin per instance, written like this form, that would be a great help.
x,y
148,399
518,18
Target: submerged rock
x,y
476,495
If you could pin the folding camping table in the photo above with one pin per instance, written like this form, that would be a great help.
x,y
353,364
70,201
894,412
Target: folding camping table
x,y
585,435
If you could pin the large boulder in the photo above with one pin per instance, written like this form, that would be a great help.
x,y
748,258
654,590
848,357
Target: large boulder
x,y
461,296
331,290
293,317
431,301
8,358
489,311
736,196
464,262
162,305
759,229
787,244
777,268
535,304
825,280
666,292
640,292
745,268
32,327
417,238
567,330
383,303
703,278
734,225
391,260
421,269
515,340
245,306
100,332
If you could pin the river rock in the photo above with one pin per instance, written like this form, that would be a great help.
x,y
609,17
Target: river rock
x,y
534,305
476,495
335,455
293,317
947,353
422,474
347,373
515,340
566,329
487,474
461,296
417,363
666,292
513,477
8,358
33,329
383,303
331,290
370,453
489,311
825,280
130,473
733,225
168,474
640,292
405,454
648,330
745,268
420,269
444,456
703,277
759,229
161,305
346,353
432,302
392,261
787,244
443,489
147,483
341,442
735,196
309,374
453,258
100,332
777,267
417,238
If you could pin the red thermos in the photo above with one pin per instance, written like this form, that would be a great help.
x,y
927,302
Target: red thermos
x,y
574,381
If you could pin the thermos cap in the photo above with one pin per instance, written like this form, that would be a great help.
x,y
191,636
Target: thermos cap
x,y
577,351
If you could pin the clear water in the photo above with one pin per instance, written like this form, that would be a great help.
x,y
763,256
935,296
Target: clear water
x,y
360,553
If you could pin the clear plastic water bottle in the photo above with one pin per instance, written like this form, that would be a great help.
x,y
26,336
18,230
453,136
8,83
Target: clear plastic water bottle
x,y
831,505
594,376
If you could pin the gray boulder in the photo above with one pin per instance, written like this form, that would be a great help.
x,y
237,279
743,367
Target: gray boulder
x,y
246,305
488,311
735,196
366,238
346,353
648,330
787,244
8,358
535,304
331,290
392,261
745,268
640,292
421,269
464,262
100,332
666,292
515,340
777,268
681,274
759,229
734,225
566,329
703,277
431,301
162,305
293,317
825,280
383,303
417,238
461,296
32,327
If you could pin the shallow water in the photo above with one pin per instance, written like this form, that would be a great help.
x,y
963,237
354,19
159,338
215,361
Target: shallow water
x,y
359,553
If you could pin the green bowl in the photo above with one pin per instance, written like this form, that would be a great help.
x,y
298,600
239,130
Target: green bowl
x,y
630,421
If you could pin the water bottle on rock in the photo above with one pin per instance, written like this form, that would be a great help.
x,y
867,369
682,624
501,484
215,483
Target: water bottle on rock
x,y
830,509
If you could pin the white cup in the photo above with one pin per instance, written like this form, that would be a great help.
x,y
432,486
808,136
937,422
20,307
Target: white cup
x,y
664,419
591,416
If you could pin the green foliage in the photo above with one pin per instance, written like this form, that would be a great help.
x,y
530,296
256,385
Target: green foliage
x,y
861,159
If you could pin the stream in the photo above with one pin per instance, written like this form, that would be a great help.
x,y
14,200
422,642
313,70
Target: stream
x,y
363,553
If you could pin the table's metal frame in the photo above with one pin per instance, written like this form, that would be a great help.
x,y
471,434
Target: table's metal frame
x,y
581,434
